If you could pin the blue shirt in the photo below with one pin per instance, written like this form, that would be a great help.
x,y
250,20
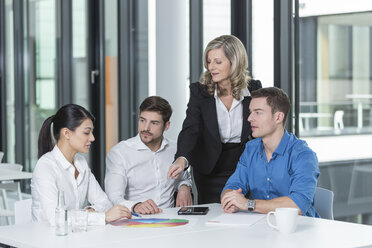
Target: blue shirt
x,y
292,171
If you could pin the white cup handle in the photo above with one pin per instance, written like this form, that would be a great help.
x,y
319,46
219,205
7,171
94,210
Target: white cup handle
x,y
268,219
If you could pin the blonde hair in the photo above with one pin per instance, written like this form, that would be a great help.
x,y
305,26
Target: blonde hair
x,y
235,52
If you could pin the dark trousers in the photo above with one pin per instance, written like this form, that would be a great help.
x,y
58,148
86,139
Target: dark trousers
x,y
210,186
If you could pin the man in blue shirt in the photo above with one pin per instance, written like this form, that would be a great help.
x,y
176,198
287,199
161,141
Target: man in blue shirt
x,y
276,168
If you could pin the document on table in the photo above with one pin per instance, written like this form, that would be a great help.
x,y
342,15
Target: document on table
x,y
240,218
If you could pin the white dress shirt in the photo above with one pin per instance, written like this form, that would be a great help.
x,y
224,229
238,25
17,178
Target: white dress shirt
x,y
230,123
135,174
53,173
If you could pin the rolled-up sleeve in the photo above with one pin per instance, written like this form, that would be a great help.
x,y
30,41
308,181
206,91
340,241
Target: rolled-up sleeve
x,y
184,179
304,178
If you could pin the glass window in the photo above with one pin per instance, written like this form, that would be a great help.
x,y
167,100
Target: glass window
x,y
216,19
41,73
335,100
262,42
111,79
9,77
81,80
336,61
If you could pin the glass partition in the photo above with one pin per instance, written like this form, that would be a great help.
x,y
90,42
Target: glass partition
x,y
336,73
40,48
263,42
335,115
216,19
80,74
111,79
9,81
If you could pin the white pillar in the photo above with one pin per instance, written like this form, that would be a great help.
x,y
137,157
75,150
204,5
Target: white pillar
x,y
172,58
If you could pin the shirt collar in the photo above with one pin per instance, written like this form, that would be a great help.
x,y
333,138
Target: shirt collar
x,y
243,93
280,150
63,161
139,145
57,153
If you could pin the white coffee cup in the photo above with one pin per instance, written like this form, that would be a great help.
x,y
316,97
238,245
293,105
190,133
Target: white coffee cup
x,y
286,219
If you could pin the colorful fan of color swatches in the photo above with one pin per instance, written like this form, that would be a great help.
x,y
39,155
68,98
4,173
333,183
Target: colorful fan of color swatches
x,y
150,222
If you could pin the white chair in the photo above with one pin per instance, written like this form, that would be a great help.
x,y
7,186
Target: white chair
x,y
338,121
323,203
9,186
22,211
1,156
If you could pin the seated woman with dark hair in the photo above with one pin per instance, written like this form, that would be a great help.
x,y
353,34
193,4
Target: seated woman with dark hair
x,y
60,168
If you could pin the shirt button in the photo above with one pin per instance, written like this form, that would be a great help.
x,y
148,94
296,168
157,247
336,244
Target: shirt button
x,y
267,196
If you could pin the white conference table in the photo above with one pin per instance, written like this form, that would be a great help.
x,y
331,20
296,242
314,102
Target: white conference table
x,y
6,175
310,232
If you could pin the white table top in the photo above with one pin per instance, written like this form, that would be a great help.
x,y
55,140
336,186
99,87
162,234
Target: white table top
x,y
14,175
359,96
313,115
339,148
311,232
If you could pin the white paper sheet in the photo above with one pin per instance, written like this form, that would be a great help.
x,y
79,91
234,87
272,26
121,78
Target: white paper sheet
x,y
240,218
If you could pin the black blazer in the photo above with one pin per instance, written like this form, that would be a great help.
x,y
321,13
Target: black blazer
x,y
199,140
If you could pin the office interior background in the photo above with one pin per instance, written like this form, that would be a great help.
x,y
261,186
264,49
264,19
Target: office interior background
x,y
108,55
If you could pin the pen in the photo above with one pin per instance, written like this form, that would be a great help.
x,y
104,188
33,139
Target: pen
x,y
135,214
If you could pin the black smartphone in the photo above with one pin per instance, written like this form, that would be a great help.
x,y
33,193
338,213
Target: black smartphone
x,y
193,211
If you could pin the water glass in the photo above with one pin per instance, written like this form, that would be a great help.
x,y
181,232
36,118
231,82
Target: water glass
x,y
79,220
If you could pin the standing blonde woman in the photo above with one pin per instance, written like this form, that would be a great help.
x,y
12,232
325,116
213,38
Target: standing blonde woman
x,y
61,168
216,128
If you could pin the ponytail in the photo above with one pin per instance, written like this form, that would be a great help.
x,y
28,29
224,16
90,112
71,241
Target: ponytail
x,y
45,142
68,116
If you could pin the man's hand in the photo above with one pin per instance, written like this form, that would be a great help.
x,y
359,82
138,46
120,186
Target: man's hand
x,y
176,168
184,196
233,200
117,212
147,207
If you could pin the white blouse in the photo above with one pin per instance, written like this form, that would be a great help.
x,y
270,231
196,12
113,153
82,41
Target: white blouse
x,y
53,173
230,123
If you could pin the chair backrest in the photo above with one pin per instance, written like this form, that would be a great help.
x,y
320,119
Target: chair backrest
x,y
8,166
1,156
323,203
338,121
22,211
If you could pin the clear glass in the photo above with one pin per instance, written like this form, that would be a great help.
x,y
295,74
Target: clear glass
x,y
9,77
41,52
339,101
262,67
216,19
61,216
336,99
336,69
111,69
80,74
79,220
